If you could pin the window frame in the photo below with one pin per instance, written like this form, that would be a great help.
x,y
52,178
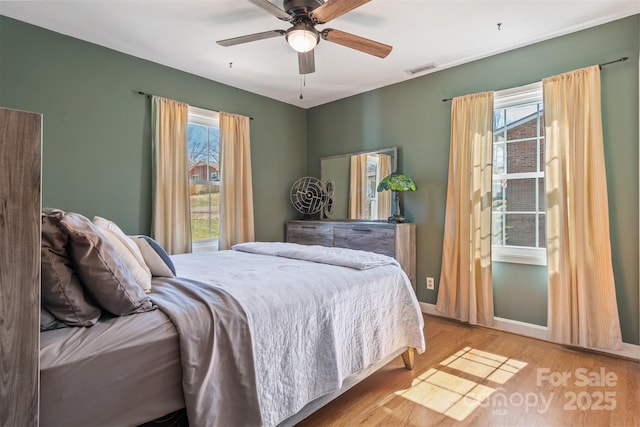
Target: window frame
x,y
510,98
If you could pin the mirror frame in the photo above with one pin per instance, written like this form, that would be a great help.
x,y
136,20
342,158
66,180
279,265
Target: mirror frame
x,y
394,167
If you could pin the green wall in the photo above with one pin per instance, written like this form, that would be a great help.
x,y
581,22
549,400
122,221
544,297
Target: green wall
x,y
520,292
96,139
412,116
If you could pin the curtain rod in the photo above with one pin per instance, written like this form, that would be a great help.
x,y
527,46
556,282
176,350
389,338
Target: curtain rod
x,y
599,65
139,92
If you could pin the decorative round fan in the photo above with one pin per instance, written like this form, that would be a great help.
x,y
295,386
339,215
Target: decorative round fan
x,y
308,195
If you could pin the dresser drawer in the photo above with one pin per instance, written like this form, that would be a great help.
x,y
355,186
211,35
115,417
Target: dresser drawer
x,y
313,233
367,238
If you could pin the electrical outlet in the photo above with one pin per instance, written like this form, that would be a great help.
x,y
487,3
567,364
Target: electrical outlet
x,y
430,284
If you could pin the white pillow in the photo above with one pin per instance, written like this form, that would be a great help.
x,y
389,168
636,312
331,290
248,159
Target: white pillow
x,y
127,250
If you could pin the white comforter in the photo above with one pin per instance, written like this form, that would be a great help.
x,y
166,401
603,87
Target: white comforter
x,y
312,324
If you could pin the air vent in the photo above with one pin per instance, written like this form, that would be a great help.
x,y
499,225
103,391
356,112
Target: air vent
x,y
421,69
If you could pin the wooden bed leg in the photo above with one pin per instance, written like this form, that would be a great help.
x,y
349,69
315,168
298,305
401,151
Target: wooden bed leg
x,y
408,357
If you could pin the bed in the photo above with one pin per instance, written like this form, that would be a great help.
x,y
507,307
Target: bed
x,y
263,334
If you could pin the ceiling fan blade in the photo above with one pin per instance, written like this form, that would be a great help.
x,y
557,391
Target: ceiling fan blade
x,y
251,38
332,9
272,9
371,47
307,62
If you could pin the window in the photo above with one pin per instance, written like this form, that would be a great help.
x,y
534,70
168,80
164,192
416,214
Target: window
x,y
518,209
203,140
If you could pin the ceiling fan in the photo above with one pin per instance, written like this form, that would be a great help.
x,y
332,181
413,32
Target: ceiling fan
x,y
303,37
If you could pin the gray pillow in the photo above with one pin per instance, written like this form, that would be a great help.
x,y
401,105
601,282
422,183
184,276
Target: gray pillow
x,y
155,257
100,268
62,293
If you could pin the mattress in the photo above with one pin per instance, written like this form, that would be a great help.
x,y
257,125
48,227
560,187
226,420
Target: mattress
x,y
122,371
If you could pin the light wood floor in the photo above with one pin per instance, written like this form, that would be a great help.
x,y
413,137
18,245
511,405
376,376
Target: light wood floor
x,y
472,376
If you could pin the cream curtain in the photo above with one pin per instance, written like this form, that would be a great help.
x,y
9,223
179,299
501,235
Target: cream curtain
x,y
466,291
236,190
171,221
384,197
358,186
582,302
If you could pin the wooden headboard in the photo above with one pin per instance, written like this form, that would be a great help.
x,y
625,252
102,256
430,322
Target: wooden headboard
x,y
20,205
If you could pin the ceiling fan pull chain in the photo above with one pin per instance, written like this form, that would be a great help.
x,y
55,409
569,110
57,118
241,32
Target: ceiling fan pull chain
x,y
301,83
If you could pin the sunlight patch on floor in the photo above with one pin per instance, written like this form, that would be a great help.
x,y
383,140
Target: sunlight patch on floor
x,y
458,397
482,364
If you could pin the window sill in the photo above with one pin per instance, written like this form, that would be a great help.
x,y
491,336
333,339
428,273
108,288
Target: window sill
x,y
204,246
519,255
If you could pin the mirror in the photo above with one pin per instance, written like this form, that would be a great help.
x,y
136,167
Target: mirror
x,y
355,177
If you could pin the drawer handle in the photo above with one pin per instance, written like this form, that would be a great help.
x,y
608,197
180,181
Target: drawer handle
x,y
309,226
364,230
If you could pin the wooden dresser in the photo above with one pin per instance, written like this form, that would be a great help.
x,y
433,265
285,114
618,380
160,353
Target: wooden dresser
x,y
396,240
20,147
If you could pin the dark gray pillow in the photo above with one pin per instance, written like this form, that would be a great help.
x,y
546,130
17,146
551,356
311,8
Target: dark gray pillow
x,y
155,257
100,268
62,293
48,322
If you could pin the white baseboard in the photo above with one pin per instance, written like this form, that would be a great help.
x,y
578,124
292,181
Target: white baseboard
x,y
629,351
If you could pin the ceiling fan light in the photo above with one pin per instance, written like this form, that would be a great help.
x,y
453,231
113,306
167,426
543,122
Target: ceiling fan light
x,y
302,40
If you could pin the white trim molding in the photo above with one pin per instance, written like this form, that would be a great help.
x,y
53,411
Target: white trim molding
x,y
519,255
629,351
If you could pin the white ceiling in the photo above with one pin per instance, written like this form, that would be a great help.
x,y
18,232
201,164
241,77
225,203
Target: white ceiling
x,y
182,34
